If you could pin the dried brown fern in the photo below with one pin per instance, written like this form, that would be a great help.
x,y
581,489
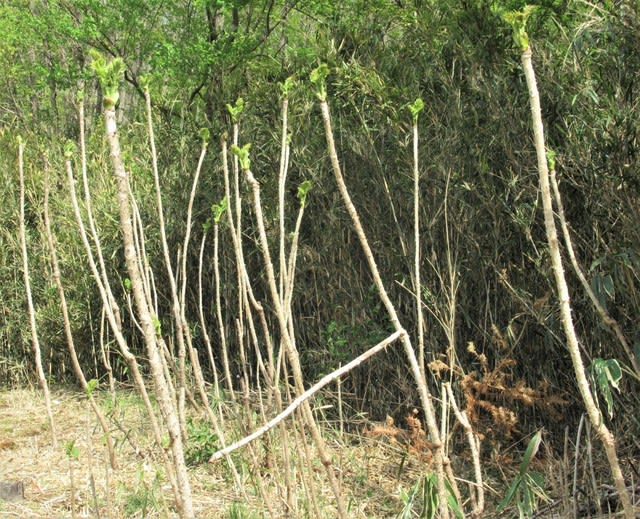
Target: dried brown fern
x,y
491,395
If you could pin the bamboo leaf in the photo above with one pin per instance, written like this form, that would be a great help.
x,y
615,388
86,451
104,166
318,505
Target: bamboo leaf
x,y
532,448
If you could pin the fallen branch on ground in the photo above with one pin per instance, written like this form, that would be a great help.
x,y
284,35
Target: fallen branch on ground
x,y
306,395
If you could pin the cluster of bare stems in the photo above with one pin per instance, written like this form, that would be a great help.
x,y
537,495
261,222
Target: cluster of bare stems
x,y
176,376
286,417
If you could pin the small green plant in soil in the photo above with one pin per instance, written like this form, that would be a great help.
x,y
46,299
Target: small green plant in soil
x,y
144,499
528,486
422,499
239,511
202,443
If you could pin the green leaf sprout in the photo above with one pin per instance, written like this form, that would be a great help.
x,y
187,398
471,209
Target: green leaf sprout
x,y
157,326
415,108
318,77
551,159
518,22
218,210
69,149
110,75
205,134
236,110
243,155
303,190
286,86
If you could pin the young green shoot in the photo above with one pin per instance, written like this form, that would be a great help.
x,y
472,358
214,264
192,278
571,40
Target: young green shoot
x,y
236,110
286,86
518,21
303,191
318,77
243,155
110,75
415,108
218,210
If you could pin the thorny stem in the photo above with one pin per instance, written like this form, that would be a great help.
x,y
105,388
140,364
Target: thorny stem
x,y
297,402
112,312
425,396
602,311
57,278
163,395
290,348
595,416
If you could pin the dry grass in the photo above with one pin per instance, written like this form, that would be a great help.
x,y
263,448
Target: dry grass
x,y
375,464
372,470
27,455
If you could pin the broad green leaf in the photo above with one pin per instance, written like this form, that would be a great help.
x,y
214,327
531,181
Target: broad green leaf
x,y
607,373
513,489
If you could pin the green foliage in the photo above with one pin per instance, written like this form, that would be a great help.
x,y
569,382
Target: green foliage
x,y
603,287
551,159
606,373
69,149
202,442
110,75
380,54
157,325
236,110
415,108
318,77
218,210
303,191
286,86
92,385
239,511
71,450
343,341
518,22
205,134
528,486
243,155
422,499
336,341
145,498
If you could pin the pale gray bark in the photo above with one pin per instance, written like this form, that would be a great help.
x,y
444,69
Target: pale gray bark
x,y
595,416
35,342
146,319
